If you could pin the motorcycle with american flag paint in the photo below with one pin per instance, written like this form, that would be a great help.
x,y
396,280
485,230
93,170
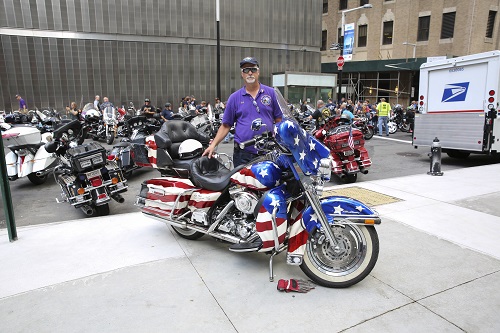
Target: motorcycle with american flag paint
x,y
274,202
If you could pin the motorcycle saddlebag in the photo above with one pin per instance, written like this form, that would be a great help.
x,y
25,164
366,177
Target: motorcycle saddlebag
x,y
166,195
89,156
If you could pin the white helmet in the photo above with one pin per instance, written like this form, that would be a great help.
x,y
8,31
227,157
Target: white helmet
x,y
92,114
189,149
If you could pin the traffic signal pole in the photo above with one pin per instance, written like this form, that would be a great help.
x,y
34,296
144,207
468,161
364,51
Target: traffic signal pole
x,y
6,196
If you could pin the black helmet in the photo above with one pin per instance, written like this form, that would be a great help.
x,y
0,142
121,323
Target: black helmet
x,y
167,105
147,100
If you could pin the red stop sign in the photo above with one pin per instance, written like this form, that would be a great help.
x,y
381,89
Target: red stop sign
x,y
340,61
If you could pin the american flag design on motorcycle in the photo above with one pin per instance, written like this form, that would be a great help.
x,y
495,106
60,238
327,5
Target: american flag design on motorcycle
x,y
261,176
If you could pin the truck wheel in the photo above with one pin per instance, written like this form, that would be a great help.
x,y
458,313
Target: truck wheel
x,y
458,154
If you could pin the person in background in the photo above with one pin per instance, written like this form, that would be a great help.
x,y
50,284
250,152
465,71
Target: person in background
x,y
97,105
74,111
147,109
23,108
384,112
319,115
167,113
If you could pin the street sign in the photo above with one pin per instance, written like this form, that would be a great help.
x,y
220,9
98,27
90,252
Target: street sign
x,y
340,62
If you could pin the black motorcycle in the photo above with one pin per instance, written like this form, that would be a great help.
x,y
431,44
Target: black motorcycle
x,y
87,179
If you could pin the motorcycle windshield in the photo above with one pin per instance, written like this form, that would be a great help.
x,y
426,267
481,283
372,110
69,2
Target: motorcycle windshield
x,y
306,149
108,111
87,107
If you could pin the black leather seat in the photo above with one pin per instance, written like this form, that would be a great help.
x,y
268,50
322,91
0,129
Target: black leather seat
x,y
174,132
209,174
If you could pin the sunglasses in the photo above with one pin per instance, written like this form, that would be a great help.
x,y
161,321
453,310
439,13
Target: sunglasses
x,y
256,106
249,69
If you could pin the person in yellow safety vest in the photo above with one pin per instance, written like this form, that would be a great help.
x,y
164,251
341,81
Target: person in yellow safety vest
x,y
384,112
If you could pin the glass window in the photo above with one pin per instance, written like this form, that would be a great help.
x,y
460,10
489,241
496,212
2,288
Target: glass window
x,y
363,2
362,33
491,23
448,25
324,36
325,6
342,4
423,28
387,33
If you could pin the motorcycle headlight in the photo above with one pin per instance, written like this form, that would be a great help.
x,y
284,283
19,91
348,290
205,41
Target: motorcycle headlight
x,y
325,168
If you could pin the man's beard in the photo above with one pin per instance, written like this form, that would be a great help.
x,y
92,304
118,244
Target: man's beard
x,y
250,79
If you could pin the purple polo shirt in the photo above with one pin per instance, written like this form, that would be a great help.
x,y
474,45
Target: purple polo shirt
x,y
22,103
240,109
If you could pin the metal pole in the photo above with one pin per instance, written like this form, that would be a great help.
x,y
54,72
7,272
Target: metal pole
x,y
217,18
341,53
6,197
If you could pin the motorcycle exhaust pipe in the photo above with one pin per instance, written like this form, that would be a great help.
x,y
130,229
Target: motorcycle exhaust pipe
x,y
364,171
118,198
88,210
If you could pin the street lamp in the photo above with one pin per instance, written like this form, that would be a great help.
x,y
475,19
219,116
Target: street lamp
x,y
368,5
414,47
217,19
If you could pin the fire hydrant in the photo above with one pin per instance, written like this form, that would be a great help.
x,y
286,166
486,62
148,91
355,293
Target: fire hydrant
x,y
435,156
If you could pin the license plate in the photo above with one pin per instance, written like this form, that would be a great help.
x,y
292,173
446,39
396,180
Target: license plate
x,y
92,174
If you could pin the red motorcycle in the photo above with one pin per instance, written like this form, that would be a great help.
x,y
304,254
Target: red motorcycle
x,y
347,148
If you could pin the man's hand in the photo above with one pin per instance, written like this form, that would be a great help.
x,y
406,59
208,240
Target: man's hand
x,y
209,151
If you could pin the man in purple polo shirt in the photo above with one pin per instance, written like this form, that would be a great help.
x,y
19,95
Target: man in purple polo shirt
x,y
22,104
253,101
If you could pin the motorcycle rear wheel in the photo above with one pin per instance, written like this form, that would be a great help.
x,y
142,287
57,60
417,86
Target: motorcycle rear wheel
x,y
102,210
351,178
343,267
405,128
187,233
37,180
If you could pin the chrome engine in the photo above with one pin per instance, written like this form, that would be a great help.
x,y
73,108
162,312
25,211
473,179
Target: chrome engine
x,y
240,221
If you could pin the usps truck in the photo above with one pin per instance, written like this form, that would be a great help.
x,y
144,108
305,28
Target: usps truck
x,y
458,103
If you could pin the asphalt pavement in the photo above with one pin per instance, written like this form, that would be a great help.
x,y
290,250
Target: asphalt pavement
x,y
438,271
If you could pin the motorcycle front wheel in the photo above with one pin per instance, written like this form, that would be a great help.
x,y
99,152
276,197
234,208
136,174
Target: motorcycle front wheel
x,y
368,133
393,127
110,137
345,265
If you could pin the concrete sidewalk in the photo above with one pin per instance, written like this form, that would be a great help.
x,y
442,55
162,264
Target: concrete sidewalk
x,y
438,270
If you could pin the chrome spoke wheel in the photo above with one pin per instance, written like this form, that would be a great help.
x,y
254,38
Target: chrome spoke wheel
x,y
345,264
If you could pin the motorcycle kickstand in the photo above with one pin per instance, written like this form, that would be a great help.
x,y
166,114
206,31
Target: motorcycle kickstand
x,y
271,273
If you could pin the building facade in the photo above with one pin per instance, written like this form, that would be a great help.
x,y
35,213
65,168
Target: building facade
x,y
394,37
53,52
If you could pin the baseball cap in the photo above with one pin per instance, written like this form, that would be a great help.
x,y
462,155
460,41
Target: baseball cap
x,y
249,60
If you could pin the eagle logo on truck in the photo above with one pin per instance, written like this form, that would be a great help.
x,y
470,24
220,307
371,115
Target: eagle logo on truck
x,y
455,92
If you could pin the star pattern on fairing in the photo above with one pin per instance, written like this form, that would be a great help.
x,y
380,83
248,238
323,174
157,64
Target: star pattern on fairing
x,y
306,149
260,176
338,210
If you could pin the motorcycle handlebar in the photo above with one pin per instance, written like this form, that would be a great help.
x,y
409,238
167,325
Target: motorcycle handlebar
x,y
256,138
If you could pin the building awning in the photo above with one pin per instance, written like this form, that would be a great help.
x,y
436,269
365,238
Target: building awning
x,y
389,65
